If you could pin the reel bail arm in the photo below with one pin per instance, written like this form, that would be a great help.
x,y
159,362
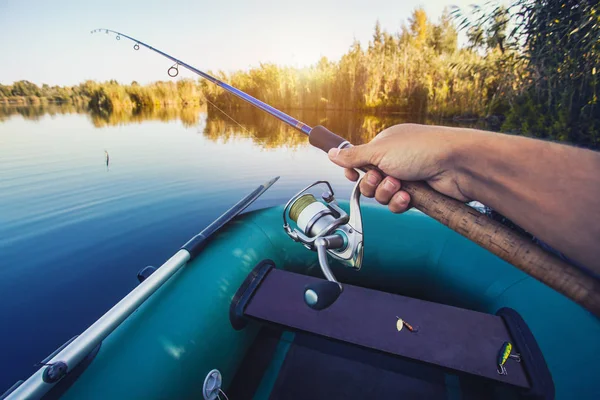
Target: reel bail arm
x,y
322,294
326,228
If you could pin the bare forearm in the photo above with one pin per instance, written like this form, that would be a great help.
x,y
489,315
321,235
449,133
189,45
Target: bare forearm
x,y
551,190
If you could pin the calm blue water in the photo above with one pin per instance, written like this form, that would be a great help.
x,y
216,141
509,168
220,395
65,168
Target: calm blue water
x,y
74,232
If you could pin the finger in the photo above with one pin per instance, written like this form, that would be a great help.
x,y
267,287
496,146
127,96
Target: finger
x,y
386,189
351,157
351,174
399,202
369,183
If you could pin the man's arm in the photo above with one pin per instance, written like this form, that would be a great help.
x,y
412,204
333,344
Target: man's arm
x,y
551,190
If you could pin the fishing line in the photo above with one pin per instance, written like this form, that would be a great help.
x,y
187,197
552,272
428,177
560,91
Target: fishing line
x,y
230,117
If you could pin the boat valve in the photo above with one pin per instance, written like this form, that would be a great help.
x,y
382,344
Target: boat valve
x,y
324,227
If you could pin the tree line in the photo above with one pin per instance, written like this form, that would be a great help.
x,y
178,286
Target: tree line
x,y
419,69
107,97
533,64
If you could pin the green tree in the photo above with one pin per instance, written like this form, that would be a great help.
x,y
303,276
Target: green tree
x,y
558,43
25,88
5,91
475,36
444,35
496,32
377,35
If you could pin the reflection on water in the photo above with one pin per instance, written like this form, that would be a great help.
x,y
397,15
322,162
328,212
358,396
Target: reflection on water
x,y
34,112
270,132
189,116
263,128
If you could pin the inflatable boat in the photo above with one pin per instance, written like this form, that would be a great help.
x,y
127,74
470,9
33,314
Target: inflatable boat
x,y
323,299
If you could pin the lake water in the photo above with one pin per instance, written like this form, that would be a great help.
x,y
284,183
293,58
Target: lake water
x,y
74,231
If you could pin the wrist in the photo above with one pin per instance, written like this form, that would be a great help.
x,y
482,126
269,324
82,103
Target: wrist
x,y
465,147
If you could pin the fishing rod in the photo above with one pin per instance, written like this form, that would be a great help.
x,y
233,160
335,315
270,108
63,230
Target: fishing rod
x,y
489,234
173,71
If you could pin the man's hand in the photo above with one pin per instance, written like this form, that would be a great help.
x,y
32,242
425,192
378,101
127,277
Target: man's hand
x,y
404,152
550,190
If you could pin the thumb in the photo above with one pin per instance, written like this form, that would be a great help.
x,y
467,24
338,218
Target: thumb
x,y
351,157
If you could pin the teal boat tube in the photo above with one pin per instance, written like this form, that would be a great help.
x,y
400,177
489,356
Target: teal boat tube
x,y
182,332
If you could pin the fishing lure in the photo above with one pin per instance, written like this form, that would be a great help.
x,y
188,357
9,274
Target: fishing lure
x,y
399,324
402,323
503,355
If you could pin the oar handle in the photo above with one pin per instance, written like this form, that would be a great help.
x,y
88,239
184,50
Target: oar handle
x,y
491,235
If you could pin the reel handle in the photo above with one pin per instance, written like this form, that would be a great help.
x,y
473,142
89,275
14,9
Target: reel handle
x,y
321,295
489,234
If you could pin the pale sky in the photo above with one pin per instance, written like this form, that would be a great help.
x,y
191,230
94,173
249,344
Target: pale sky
x,y
50,41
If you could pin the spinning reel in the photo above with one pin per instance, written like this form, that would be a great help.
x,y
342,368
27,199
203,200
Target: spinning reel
x,y
322,226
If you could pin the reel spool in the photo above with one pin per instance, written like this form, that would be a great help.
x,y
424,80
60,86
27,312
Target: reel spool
x,y
322,226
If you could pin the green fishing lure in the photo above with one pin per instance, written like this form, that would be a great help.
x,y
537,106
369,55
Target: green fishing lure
x,y
503,355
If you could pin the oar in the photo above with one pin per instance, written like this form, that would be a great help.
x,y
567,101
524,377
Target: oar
x,y
493,236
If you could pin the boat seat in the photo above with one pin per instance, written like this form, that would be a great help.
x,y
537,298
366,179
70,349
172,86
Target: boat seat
x,y
456,340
